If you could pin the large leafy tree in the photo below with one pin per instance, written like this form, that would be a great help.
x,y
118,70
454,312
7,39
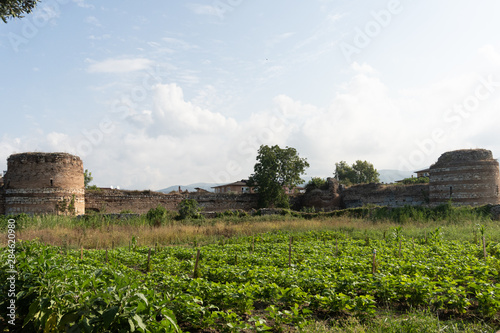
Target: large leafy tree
x,y
16,8
275,170
360,172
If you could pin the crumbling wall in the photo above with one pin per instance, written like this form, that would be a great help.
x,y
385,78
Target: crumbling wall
x,y
467,177
44,183
2,201
116,201
395,195
327,200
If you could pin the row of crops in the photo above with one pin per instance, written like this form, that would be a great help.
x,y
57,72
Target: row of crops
x,y
263,283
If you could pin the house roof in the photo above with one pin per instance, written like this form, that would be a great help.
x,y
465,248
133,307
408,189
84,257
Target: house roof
x,y
423,170
242,182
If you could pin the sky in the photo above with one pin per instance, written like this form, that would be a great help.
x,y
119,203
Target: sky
x,y
157,93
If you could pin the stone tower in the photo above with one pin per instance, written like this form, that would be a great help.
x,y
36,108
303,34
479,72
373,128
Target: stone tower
x,y
467,177
44,183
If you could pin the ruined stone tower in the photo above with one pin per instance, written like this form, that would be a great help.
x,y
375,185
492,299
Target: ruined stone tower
x,y
44,183
467,177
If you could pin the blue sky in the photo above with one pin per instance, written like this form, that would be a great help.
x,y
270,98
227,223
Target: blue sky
x,y
156,93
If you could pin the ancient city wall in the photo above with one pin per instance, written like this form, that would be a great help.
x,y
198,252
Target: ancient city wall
x,y
44,183
2,201
116,201
53,183
385,195
467,177
321,199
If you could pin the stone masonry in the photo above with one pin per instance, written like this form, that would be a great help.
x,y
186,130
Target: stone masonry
x,y
44,183
467,177
52,183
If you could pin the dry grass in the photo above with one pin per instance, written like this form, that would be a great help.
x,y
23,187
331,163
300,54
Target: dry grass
x,y
121,235
109,233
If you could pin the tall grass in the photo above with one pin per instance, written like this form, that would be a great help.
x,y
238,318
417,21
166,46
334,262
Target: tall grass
x,y
105,231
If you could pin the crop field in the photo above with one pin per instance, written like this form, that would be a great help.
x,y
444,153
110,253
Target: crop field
x,y
277,281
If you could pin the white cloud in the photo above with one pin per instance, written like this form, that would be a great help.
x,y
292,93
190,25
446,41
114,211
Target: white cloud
x,y
83,4
171,139
200,9
362,68
173,115
92,20
119,65
490,54
279,38
102,37
179,43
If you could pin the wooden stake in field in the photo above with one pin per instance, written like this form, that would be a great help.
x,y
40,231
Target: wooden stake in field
x,y
484,247
374,262
148,267
195,272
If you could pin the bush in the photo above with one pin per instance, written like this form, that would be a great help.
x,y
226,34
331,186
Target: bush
x,y
188,208
419,180
156,216
317,182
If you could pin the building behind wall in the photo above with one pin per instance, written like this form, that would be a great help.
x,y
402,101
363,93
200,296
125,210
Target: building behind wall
x,y
44,183
467,177
53,183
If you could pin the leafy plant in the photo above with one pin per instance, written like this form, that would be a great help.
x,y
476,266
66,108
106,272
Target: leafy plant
x,y
156,216
189,209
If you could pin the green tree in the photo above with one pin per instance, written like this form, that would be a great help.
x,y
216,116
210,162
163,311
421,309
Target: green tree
x,y
87,178
361,172
189,209
276,168
415,180
156,216
316,182
16,8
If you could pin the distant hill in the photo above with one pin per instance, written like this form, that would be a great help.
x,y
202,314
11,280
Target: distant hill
x,y
386,176
190,188
391,176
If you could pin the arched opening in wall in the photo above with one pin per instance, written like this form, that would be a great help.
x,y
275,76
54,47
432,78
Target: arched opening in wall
x,y
451,191
51,182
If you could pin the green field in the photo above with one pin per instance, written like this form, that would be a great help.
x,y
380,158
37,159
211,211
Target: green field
x,y
340,275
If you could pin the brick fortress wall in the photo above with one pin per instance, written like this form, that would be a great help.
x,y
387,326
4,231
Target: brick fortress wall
x,y
40,182
394,195
467,177
116,201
